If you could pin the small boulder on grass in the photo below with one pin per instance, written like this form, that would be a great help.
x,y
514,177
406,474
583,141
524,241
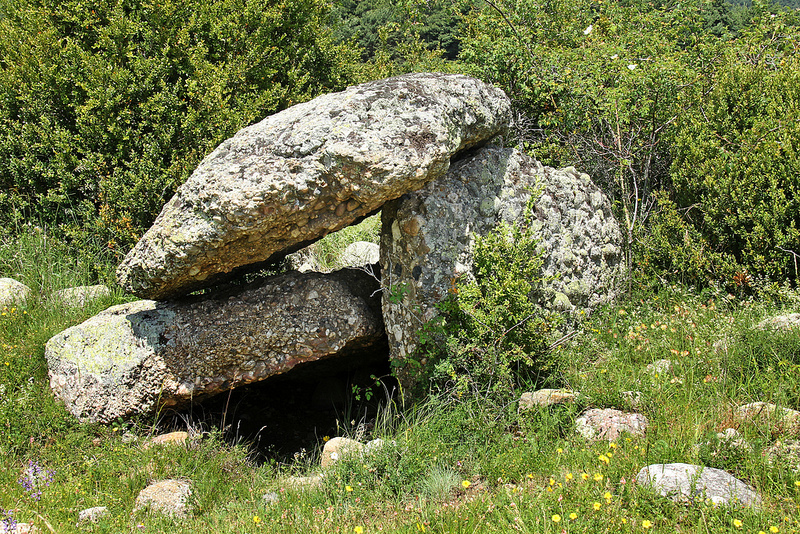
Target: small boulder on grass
x,y
789,321
784,453
686,482
169,497
13,292
76,297
92,515
610,424
335,449
766,412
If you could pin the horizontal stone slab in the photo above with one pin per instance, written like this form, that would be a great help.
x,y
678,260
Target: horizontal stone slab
x,y
137,357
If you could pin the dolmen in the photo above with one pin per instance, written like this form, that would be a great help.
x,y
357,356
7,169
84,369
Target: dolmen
x,y
421,148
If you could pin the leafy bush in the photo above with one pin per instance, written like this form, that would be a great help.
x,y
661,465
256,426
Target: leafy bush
x,y
105,108
491,333
736,161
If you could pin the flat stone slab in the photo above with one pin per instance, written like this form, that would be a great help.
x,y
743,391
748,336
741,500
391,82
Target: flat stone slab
x,y
135,357
789,321
686,482
314,168
610,424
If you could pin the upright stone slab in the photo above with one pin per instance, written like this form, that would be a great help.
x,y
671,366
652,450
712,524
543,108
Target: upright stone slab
x,y
428,236
136,357
312,169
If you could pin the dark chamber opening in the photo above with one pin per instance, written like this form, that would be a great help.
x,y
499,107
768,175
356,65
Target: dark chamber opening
x,y
288,413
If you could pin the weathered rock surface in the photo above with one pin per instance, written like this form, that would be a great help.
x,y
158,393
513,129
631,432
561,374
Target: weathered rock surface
x,y
686,482
360,253
309,170
546,397
609,424
427,237
134,357
168,497
784,453
79,296
13,292
171,438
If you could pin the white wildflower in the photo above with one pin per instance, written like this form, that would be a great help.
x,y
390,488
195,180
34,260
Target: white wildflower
x,y
631,66
588,30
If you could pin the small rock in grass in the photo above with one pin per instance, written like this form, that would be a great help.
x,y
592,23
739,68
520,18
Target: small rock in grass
x,y
92,515
336,448
785,453
659,367
609,424
766,412
271,497
13,292
546,397
309,482
23,528
780,322
79,296
686,482
169,497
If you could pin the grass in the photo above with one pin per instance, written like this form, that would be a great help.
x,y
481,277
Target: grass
x,y
450,465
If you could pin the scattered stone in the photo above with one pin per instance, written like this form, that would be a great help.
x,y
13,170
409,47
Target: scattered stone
x,y
270,498
632,398
309,482
360,253
13,292
780,322
785,453
610,424
659,368
337,448
169,497
685,482
78,297
546,397
172,438
785,418
23,528
136,357
312,169
92,515
427,237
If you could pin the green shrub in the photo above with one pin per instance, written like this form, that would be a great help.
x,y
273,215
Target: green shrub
x,y
736,163
492,333
107,107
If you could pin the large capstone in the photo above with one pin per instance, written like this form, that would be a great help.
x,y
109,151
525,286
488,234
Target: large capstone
x,y
428,236
137,357
314,168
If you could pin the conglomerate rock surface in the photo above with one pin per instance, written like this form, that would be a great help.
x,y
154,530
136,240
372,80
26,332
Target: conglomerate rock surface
x,y
312,169
135,357
427,237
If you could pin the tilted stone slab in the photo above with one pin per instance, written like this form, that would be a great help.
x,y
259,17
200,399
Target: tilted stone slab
x,y
314,168
136,357
428,236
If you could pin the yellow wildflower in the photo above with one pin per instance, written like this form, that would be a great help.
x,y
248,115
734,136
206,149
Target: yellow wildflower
x,y
737,523
573,516
556,518
646,524
596,506
465,484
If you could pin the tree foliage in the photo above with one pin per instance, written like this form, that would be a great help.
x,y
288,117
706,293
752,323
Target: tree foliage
x,y
106,107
